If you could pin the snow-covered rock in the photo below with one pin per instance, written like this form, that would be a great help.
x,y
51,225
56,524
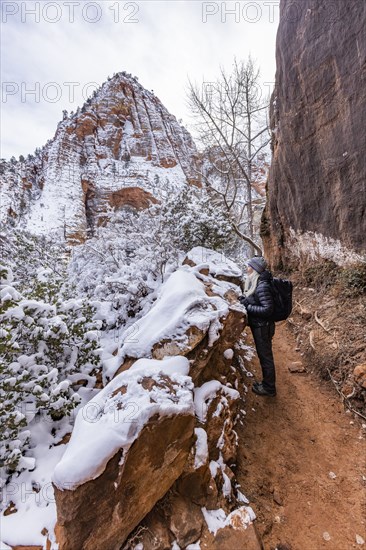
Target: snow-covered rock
x,y
130,443
186,320
214,263
226,532
112,462
181,317
121,148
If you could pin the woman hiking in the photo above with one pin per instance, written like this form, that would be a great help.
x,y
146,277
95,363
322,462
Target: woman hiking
x,y
259,303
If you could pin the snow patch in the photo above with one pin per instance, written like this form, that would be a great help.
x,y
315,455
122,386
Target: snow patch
x,y
32,492
217,519
317,246
228,354
201,450
204,395
216,263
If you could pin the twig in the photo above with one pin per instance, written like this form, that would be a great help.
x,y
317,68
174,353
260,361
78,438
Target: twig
x,y
311,339
320,322
344,398
336,343
300,306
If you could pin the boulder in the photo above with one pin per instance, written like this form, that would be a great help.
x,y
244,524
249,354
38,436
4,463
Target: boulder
x,y
228,538
186,520
103,484
216,407
190,467
216,264
153,532
195,479
360,375
186,321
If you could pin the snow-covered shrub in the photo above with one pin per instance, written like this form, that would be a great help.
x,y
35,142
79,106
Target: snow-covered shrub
x,y
128,257
48,339
192,219
42,346
38,263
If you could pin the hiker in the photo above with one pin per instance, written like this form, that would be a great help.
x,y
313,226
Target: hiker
x,y
259,303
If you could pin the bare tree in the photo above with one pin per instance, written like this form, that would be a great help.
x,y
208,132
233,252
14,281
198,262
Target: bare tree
x,y
232,125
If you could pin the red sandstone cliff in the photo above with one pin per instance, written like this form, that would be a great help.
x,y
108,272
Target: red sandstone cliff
x,y
317,184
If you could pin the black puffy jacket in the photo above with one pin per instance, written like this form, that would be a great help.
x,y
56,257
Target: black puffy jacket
x,y
260,304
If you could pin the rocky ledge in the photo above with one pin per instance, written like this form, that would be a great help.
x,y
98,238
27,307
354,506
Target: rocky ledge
x,y
151,460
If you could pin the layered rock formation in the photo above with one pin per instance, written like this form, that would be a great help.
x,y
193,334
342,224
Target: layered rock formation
x,y
122,148
167,475
317,183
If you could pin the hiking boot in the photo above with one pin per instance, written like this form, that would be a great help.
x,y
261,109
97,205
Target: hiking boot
x,y
260,390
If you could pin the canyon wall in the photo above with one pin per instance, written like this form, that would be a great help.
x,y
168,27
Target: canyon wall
x,y
316,206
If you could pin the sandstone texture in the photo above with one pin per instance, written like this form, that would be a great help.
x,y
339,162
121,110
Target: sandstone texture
x,y
100,515
317,181
360,375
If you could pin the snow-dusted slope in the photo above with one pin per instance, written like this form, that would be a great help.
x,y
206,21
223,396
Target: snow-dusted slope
x,y
122,147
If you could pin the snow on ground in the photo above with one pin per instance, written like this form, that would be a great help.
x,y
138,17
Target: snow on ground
x,y
32,492
113,420
182,303
216,262
319,247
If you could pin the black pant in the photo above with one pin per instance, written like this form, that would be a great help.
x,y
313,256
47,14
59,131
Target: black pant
x,y
263,343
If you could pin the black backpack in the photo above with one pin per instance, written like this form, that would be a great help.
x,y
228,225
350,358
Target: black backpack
x,y
282,296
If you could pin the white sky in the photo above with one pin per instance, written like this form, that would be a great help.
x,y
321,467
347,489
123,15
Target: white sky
x,y
83,42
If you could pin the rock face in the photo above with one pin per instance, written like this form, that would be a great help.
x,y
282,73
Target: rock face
x,y
206,486
317,182
112,512
122,147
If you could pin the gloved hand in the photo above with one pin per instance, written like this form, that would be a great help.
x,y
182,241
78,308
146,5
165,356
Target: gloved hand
x,y
244,301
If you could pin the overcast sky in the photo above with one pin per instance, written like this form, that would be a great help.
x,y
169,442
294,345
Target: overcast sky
x,y
54,53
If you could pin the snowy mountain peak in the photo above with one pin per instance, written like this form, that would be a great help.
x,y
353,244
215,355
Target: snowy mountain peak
x,y
122,147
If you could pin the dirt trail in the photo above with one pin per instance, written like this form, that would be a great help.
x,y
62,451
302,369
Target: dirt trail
x,y
288,447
